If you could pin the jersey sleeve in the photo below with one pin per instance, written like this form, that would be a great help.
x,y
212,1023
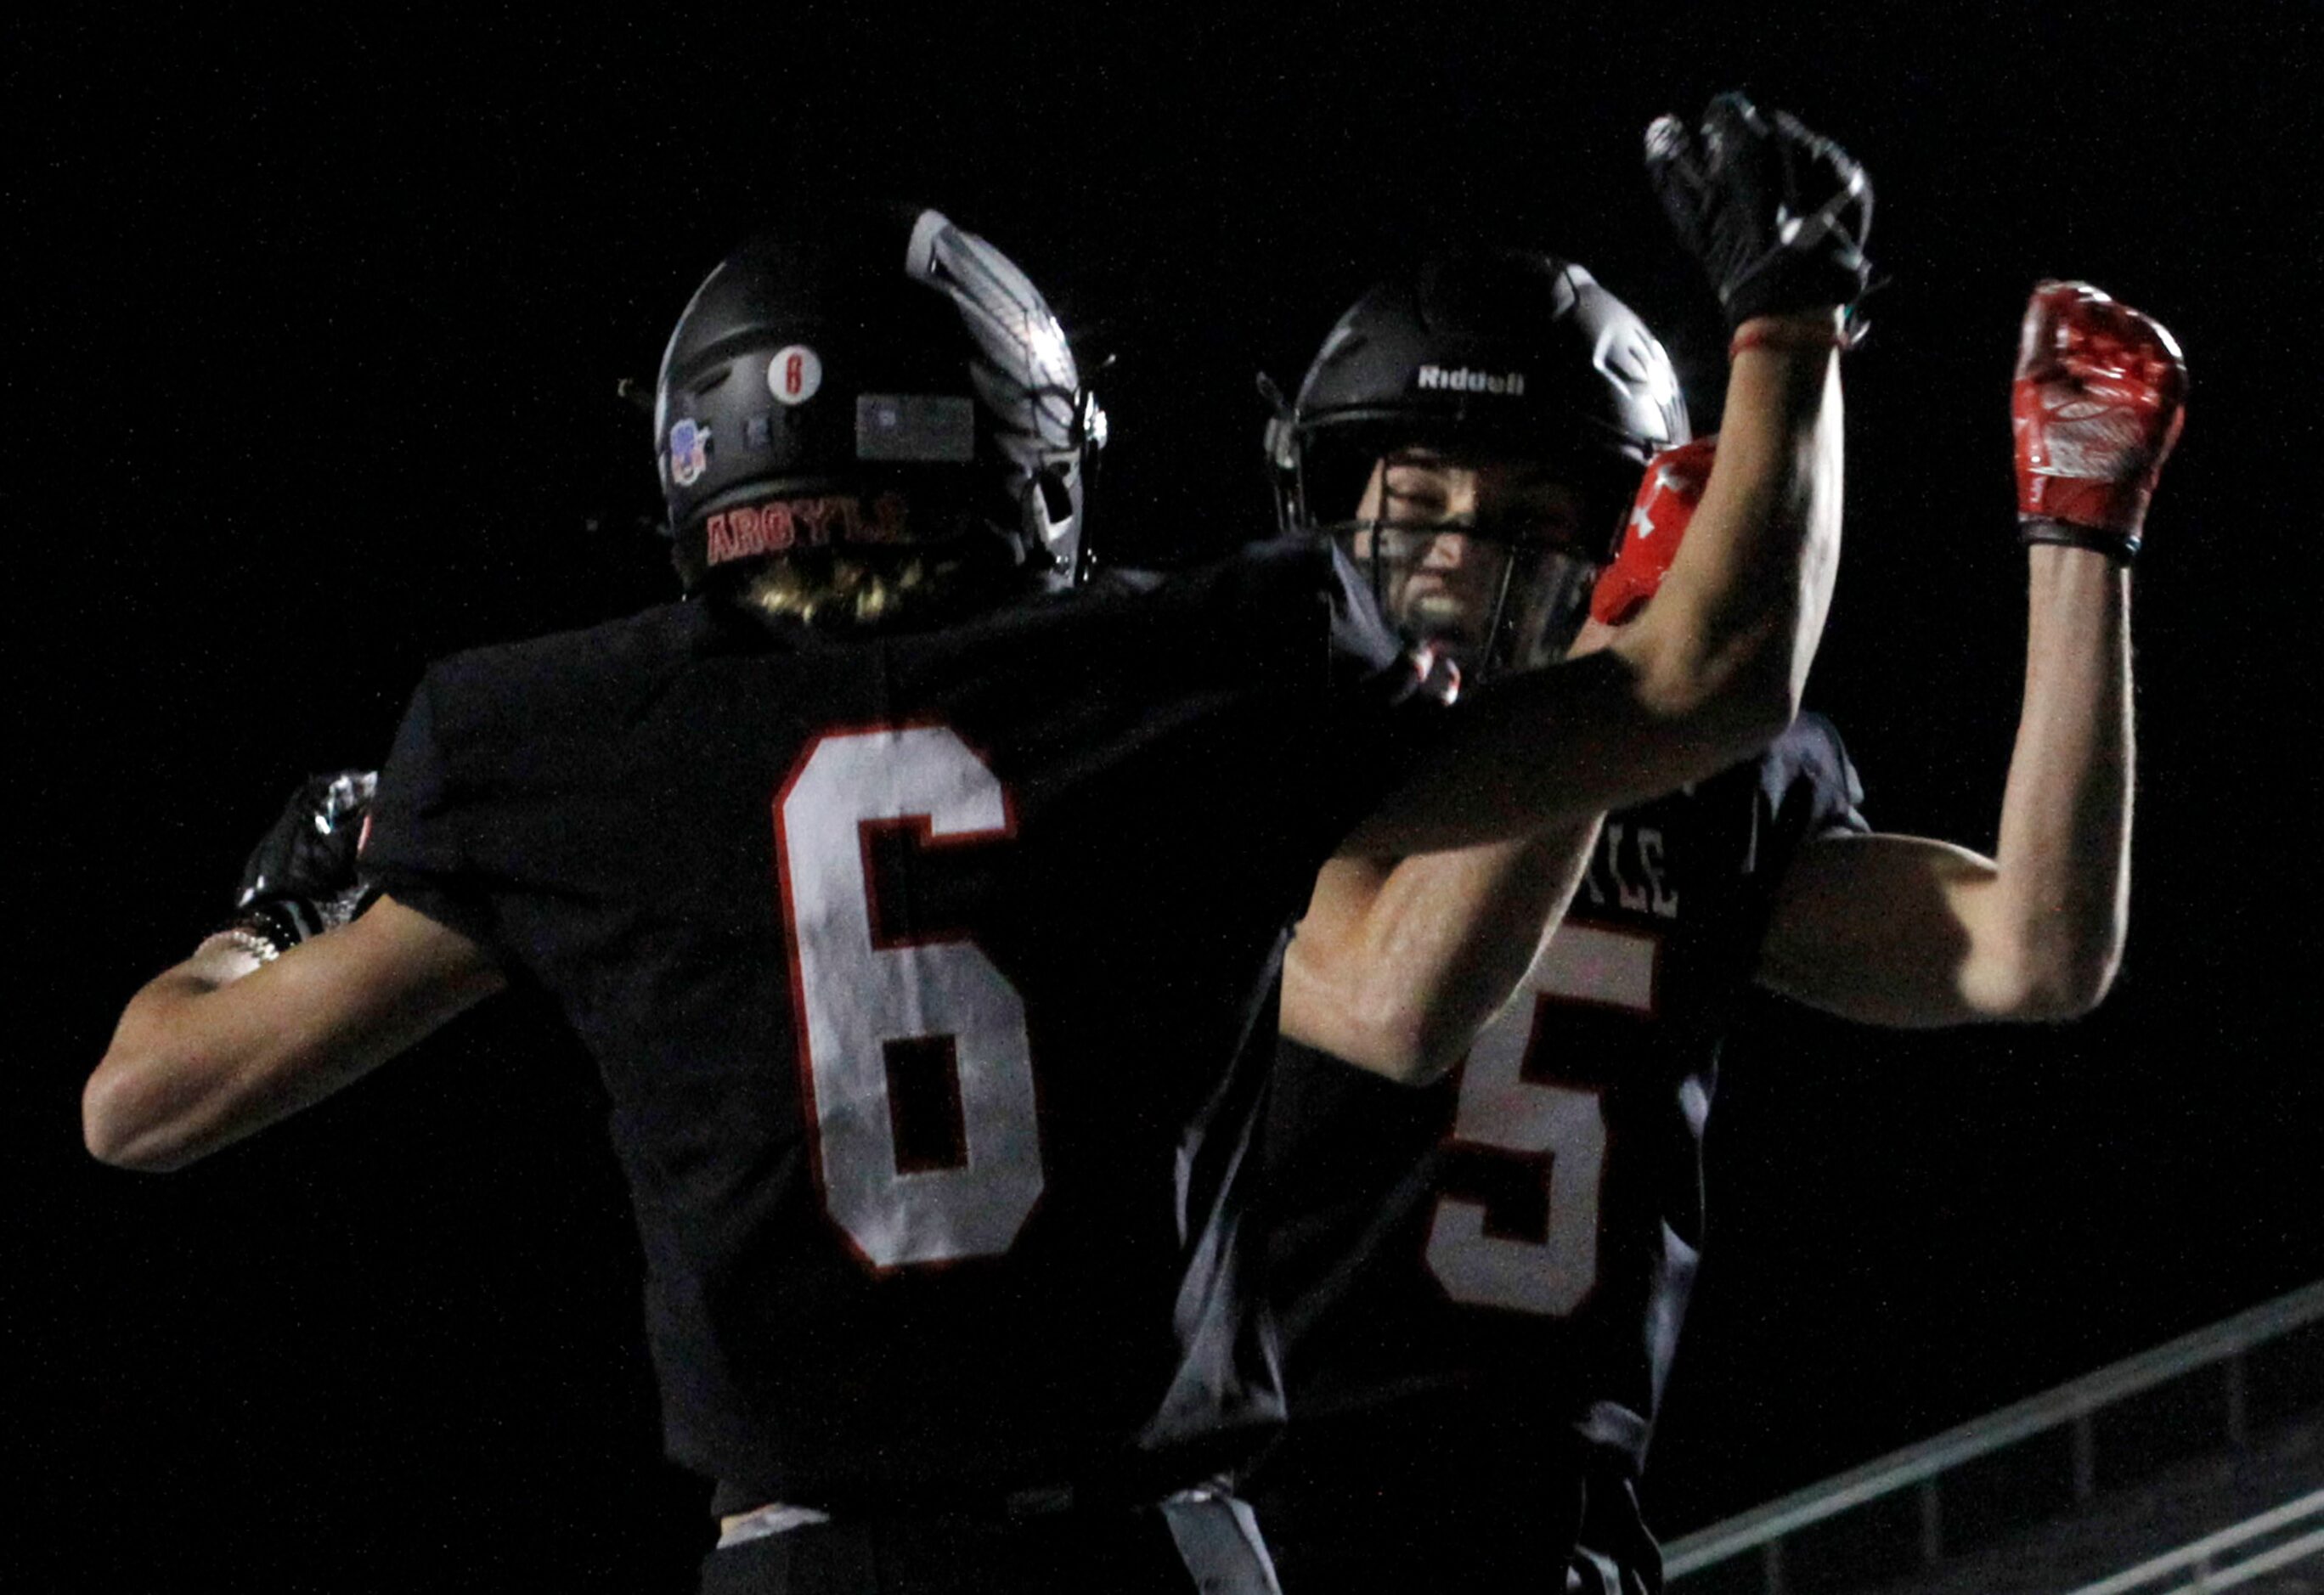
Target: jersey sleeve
x,y
1818,761
1366,651
1340,713
1384,710
416,846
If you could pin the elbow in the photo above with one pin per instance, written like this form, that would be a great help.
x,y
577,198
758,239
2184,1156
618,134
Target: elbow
x,y
1740,714
2071,991
1399,1046
2044,1005
1760,695
106,1128
1418,1043
1386,1038
1370,1024
2079,956
2060,983
1432,1046
114,1129
1723,701
1763,711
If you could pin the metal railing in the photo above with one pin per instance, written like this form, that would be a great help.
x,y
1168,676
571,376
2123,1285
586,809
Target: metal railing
x,y
2229,1557
2073,1406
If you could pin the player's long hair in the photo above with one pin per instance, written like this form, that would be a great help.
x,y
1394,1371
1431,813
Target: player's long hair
x,y
839,589
863,590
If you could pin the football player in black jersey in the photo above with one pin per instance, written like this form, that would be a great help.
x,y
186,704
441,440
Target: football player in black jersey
x,y
922,909
1481,1282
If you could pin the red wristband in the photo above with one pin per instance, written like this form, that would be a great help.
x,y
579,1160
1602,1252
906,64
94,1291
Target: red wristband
x,y
1785,335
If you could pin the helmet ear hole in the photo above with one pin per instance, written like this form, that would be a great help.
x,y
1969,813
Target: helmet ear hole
x,y
1056,496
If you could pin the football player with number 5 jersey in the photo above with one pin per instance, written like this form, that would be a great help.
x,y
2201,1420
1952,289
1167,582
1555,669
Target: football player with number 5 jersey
x,y
1481,1282
921,903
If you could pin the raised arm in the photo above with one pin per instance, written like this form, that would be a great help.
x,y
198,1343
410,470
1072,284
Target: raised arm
x,y
1902,930
1713,671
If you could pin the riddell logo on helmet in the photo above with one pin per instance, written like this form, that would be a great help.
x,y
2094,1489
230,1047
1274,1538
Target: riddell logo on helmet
x,y
1460,379
781,525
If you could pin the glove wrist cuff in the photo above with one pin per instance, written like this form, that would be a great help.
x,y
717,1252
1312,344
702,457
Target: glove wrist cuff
x,y
2121,546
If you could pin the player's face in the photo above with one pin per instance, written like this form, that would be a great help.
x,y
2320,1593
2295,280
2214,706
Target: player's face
x,y
1459,543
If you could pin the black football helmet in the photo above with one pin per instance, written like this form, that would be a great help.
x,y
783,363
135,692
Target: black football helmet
x,y
874,378
1490,353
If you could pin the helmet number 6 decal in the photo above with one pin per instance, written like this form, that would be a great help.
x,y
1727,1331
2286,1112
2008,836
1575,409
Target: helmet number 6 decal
x,y
794,374
874,1012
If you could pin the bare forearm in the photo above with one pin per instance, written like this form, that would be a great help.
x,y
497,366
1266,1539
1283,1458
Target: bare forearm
x,y
213,1050
1396,968
1736,624
2061,881
181,1077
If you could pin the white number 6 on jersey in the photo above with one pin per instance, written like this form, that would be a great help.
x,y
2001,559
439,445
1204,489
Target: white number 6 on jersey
x,y
854,997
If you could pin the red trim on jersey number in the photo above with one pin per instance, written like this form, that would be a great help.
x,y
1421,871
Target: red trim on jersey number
x,y
802,1049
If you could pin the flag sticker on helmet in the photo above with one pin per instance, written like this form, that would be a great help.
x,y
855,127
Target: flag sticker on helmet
x,y
794,374
932,427
689,448
1460,379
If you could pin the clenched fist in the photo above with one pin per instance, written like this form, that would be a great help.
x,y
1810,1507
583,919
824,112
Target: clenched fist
x,y
2100,396
300,879
1776,213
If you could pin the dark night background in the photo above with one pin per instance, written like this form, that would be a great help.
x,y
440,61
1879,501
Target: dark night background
x,y
316,338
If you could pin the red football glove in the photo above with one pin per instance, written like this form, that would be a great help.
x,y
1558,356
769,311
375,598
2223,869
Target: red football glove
x,y
2100,395
1666,503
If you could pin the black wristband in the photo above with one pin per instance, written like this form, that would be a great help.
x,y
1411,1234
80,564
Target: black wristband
x,y
2121,546
281,923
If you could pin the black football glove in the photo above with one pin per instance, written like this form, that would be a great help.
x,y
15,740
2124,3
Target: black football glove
x,y
1777,215
300,879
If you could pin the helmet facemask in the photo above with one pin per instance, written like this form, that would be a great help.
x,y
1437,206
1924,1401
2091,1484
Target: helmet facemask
x,y
1495,355
1523,606
1038,420
1487,558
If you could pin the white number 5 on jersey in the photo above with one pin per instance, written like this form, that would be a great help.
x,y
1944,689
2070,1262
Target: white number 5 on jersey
x,y
1561,1127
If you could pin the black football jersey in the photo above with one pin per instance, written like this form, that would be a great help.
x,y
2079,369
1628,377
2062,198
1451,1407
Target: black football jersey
x,y
1519,1239
931,976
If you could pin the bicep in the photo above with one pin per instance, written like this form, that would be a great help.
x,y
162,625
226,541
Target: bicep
x,y
194,1067
1887,930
